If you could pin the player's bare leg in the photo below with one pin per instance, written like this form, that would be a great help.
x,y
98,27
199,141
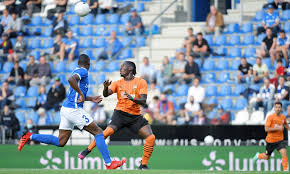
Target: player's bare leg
x,y
146,133
283,153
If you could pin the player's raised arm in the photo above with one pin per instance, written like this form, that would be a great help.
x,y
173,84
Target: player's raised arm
x,y
73,82
107,92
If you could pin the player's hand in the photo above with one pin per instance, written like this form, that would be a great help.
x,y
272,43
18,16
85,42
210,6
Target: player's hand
x,y
128,96
97,99
107,83
81,98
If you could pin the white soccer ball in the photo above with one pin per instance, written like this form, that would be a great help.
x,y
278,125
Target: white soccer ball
x,y
208,140
82,8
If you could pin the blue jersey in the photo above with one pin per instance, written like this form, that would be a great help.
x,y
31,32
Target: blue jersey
x,y
71,101
270,19
282,42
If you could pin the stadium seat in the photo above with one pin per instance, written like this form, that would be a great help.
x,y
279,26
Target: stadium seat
x,y
212,114
224,90
267,61
223,77
211,91
36,21
251,61
60,67
256,118
114,28
100,19
101,78
232,28
97,52
35,43
238,89
260,38
248,40
168,88
250,52
71,10
86,43
92,80
47,43
23,65
235,52
198,61
259,16
227,103
36,54
125,54
20,91
75,30
113,66
140,41
212,100
247,28
221,51
255,87
88,20
7,67
155,29
88,52
56,118
240,104
32,91
241,118
20,115
35,31
140,7
72,66
31,102
20,102
127,40
47,32
235,64
208,65
99,66
74,20
234,40
222,65
62,78
100,30
182,90
208,78
287,27
87,31
47,22
209,39
220,40
100,42
125,18
113,19
285,15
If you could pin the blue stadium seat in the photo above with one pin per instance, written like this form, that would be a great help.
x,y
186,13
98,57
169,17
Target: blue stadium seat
x,y
221,51
20,91
113,19
100,19
97,52
75,30
100,30
60,67
101,78
87,31
92,80
74,20
238,89
127,40
113,66
47,32
223,77
99,66
235,52
47,22
222,65
235,64
31,102
247,28
232,28
169,87
36,54
125,18
227,103
209,78
13,41
140,7
208,65
112,28
251,61
182,90
21,102
56,118
250,52
100,42
260,38
126,53
36,21
198,61
62,78
155,29
248,40
88,52
35,30
32,91
23,65
71,10
240,104
211,91
86,43
48,43
20,115
72,66
209,39
255,87
285,15
7,67
35,43
259,16
234,40
140,41
267,61
212,114
225,90
88,20
287,27
220,40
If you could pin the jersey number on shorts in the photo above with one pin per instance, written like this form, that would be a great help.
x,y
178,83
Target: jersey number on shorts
x,y
87,120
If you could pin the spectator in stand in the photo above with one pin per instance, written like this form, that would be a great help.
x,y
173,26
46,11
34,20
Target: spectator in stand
x,y
224,117
271,20
30,127
153,104
260,71
19,49
135,25
282,93
71,46
59,25
5,48
245,72
197,91
268,46
178,69
10,122
279,71
265,98
60,8
165,73
276,3
5,18
112,47
55,96
188,41
147,71
41,98
14,26
15,6
191,70
152,91
16,75
58,49
33,6
94,6
192,107
165,110
288,113
107,6
99,114
199,119
183,117
214,21
283,42
42,119
200,48
5,94
44,73
31,71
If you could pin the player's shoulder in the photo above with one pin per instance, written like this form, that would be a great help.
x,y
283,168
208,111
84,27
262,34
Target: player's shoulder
x,y
140,80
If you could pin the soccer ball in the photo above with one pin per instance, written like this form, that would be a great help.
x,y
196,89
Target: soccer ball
x,y
82,8
208,140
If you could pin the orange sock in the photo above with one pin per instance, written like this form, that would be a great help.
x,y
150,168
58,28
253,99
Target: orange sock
x,y
148,149
107,132
262,156
285,163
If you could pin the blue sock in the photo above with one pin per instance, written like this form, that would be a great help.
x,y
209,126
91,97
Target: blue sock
x,y
103,148
47,139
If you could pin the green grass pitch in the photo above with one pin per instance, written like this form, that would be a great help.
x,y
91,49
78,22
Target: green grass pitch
x,y
44,171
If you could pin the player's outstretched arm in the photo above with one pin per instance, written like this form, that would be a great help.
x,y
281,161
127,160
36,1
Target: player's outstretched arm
x,y
73,82
107,92
141,101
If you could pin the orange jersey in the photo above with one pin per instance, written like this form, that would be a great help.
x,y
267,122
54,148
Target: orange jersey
x,y
274,120
135,88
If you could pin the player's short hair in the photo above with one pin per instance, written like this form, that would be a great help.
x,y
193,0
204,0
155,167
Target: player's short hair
x,y
278,103
83,59
131,64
